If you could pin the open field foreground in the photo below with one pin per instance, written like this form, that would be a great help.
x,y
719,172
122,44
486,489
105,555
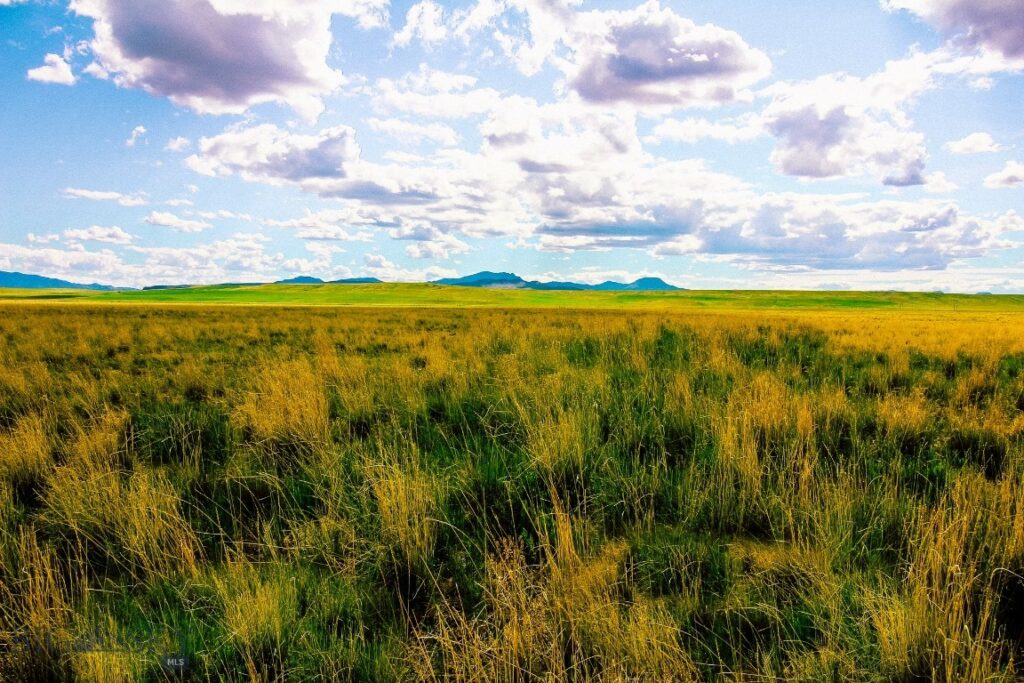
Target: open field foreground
x,y
695,486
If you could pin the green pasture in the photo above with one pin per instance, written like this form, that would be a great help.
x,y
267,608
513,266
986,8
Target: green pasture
x,y
429,295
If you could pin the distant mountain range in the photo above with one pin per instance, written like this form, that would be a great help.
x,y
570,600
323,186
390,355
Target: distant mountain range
x,y
483,279
25,281
513,281
493,280
307,280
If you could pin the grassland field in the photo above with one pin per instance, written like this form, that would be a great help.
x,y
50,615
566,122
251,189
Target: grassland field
x,y
420,295
422,483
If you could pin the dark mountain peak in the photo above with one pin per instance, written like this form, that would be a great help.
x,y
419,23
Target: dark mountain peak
x,y
357,281
300,280
25,281
485,278
651,284
610,286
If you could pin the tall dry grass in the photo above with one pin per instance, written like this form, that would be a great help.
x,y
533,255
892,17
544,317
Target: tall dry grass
x,y
504,495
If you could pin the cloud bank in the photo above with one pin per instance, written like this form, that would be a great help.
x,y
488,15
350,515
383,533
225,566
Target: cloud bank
x,y
222,56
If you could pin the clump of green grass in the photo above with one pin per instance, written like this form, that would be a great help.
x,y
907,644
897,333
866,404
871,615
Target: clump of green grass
x,y
260,609
36,610
408,502
25,457
188,435
285,411
122,519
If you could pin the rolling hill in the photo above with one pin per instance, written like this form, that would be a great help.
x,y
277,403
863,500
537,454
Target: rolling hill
x,y
14,280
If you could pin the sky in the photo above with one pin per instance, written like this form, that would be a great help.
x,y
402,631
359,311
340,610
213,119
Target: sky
x,y
806,144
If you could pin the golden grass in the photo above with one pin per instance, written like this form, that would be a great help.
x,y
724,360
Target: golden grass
x,y
286,406
563,620
408,501
495,495
132,519
25,451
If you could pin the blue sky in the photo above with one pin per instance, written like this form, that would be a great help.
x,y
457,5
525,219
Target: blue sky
x,y
864,144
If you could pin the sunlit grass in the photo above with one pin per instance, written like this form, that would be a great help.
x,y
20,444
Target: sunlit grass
x,y
693,490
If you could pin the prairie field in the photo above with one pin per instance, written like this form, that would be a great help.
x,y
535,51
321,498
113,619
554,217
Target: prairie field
x,y
424,486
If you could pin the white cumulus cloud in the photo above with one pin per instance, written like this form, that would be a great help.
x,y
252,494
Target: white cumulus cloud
x,y
169,220
995,24
1012,175
105,196
975,143
381,267
651,55
55,69
424,20
178,144
269,154
135,136
223,56
742,129
97,233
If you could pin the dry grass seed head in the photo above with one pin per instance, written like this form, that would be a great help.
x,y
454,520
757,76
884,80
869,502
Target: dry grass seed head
x,y
287,406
